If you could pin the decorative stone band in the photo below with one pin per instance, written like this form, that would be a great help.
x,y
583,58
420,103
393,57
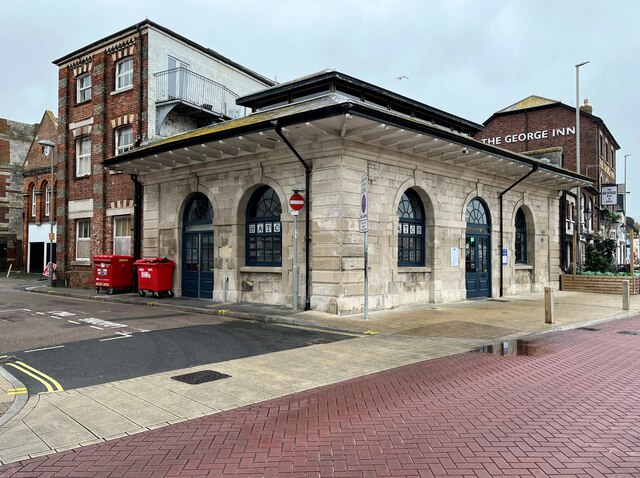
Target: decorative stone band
x,y
82,69
123,120
122,49
83,131
81,66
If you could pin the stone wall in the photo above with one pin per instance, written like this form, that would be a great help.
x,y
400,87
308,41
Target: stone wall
x,y
337,254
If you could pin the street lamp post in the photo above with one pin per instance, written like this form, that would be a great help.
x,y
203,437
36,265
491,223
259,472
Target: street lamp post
x,y
50,148
624,203
578,194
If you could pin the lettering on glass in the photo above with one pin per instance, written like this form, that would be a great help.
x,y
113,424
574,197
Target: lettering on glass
x,y
405,229
413,228
418,230
252,228
276,227
267,227
260,227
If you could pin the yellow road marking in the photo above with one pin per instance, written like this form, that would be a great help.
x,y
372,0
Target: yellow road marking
x,y
222,311
17,391
318,329
370,332
43,378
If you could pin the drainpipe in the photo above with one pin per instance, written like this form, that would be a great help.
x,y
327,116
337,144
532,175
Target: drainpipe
x,y
140,87
500,196
307,235
137,223
563,230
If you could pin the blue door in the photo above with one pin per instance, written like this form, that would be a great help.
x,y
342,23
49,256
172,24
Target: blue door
x,y
197,274
478,251
197,248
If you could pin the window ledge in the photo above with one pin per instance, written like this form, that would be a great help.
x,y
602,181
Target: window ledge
x,y
266,270
82,176
402,269
81,262
122,90
524,267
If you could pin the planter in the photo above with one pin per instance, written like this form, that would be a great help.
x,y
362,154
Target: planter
x,y
599,284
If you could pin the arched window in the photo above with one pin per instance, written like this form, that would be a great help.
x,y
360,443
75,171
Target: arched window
x,y
477,215
47,199
33,199
411,231
263,232
521,238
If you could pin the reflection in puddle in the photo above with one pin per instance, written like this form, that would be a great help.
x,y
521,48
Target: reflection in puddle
x,y
508,347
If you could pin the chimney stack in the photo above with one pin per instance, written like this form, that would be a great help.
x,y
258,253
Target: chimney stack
x,y
587,108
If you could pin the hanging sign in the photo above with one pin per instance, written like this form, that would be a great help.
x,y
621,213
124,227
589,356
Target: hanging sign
x,y
609,195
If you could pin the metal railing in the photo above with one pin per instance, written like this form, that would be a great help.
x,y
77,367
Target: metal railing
x,y
189,87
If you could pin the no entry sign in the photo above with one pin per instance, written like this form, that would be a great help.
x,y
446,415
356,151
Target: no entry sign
x,y
296,201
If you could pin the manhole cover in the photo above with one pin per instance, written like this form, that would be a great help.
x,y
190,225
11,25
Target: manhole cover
x,y
201,376
589,329
629,332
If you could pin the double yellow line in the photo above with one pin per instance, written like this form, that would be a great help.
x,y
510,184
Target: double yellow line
x,y
50,384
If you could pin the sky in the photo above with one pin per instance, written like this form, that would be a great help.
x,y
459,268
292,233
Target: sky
x,y
470,58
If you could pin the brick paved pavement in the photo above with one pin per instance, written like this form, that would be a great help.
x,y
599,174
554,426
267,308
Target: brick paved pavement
x,y
570,409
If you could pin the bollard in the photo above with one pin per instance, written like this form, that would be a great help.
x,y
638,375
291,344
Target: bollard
x,y
625,295
548,305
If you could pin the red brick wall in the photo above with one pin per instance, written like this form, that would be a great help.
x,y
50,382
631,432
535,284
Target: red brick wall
x,y
103,187
550,119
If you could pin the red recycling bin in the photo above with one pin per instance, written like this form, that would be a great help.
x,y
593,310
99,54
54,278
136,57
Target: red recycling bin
x,y
155,275
113,272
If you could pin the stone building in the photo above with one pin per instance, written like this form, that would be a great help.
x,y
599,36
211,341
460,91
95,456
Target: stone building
x,y
15,140
442,208
130,88
546,129
39,199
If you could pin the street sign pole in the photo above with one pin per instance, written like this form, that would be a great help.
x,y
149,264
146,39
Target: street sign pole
x,y
364,227
296,202
295,261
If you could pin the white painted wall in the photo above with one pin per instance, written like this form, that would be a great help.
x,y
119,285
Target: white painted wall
x,y
161,46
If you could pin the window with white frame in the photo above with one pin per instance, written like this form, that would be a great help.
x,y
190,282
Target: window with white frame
x,y
83,88
83,239
124,139
124,73
83,156
47,201
122,236
34,202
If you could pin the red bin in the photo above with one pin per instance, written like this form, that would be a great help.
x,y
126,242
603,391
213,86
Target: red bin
x,y
155,275
112,272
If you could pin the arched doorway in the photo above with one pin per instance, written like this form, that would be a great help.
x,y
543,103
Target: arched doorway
x,y
478,250
197,248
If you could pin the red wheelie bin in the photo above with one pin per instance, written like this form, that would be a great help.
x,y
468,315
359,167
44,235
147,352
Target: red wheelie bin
x,y
114,273
155,276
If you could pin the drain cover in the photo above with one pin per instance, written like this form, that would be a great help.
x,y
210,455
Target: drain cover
x,y
590,329
201,376
629,332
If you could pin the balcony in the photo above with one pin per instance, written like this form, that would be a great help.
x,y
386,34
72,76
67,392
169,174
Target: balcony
x,y
190,94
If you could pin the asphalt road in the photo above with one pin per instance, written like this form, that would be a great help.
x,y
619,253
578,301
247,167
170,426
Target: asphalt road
x,y
56,343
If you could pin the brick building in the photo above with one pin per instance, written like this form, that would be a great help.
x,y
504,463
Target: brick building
x,y
125,90
15,141
546,129
441,205
39,199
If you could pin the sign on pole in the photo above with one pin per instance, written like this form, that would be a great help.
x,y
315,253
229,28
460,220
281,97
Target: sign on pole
x,y
364,204
296,201
609,195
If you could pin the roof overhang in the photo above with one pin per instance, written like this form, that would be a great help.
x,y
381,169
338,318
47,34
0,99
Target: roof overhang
x,y
335,117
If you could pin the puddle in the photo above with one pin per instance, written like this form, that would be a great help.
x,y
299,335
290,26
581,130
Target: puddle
x,y
508,348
